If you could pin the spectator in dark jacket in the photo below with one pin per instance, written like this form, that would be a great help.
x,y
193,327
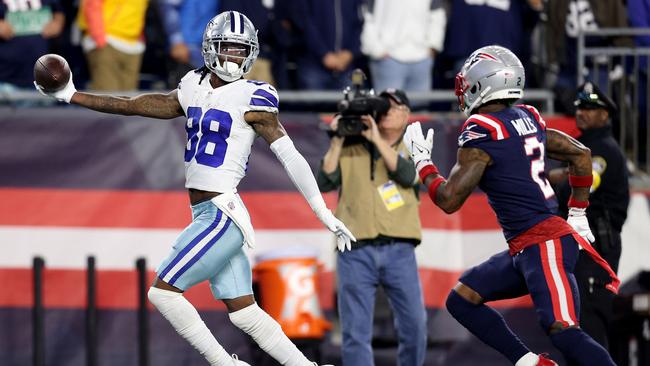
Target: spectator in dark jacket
x,y
273,34
472,25
330,44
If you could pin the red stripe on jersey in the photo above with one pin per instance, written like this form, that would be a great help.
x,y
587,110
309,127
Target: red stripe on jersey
x,y
535,112
559,255
497,121
550,282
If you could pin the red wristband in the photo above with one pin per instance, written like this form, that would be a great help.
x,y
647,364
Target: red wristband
x,y
577,204
433,187
581,180
428,170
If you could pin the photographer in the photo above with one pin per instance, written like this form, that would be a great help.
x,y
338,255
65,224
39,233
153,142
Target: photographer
x,y
378,201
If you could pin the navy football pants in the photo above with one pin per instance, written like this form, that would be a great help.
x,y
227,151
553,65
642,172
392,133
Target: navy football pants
x,y
544,270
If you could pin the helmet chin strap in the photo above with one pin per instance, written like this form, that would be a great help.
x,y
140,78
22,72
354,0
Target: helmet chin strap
x,y
477,101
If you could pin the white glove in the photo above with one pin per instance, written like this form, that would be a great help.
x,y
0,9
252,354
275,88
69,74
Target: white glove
x,y
344,237
63,95
578,221
419,147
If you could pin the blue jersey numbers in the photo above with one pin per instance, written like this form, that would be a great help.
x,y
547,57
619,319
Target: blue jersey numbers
x,y
206,136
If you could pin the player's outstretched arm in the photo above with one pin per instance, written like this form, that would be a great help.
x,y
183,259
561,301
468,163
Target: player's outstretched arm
x,y
462,181
155,105
267,125
560,146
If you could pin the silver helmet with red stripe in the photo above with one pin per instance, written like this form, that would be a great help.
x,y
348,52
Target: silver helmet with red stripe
x,y
490,73
230,45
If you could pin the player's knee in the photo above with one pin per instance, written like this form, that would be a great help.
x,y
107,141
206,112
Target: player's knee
x,y
558,327
468,293
461,300
159,297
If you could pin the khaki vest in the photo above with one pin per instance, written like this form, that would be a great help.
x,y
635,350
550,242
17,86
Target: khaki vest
x,y
361,206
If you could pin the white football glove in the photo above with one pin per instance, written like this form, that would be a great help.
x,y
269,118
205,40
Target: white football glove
x,y
344,237
63,95
419,147
578,221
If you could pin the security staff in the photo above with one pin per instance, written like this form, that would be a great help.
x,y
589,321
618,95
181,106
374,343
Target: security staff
x,y
378,201
607,209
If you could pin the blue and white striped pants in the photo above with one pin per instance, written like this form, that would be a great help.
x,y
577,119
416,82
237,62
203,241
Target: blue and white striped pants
x,y
210,248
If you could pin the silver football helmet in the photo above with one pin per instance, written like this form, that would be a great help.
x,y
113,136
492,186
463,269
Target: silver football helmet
x,y
490,73
228,28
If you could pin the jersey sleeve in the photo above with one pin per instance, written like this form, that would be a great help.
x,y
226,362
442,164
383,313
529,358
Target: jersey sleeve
x,y
473,135
264,97
183,90
535,113
481,129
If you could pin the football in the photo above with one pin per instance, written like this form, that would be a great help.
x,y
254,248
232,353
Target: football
x,y
51,72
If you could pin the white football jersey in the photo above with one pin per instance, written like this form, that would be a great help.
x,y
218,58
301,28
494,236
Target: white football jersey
x,y
218,138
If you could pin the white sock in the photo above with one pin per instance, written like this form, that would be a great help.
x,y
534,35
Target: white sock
x,y
187,322
529,359
268,334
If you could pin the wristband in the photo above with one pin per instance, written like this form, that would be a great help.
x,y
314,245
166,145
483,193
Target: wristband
x,y
581,180
577,204
427,170
433,187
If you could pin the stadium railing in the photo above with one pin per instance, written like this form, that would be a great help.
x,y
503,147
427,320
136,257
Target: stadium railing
x,y
619,72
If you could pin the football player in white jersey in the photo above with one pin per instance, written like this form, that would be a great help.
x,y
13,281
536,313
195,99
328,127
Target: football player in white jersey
x,y
224,115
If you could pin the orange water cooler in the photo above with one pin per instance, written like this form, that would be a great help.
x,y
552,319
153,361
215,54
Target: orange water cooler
x,y
288,289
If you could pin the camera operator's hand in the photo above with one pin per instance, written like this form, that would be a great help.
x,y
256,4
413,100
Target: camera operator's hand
x,y
334,126
419,147
372,132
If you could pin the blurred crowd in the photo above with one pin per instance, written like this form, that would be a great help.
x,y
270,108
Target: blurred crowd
x,y
415,45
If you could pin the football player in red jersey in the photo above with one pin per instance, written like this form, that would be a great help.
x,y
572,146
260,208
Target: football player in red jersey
x,y
502,147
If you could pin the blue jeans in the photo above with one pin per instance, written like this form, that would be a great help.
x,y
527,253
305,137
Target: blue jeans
x,y
359,272
412,76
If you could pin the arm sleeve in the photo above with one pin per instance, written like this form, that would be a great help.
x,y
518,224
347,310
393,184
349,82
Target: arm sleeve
x,y
328,182
170,12
405,174
300,173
